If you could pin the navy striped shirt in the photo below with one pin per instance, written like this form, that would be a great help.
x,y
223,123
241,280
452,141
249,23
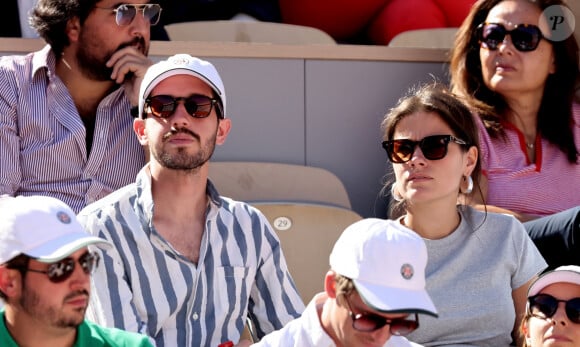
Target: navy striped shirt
x,y
145,285
43,138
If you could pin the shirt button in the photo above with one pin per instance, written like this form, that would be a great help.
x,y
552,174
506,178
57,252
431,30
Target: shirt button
x,y
195,316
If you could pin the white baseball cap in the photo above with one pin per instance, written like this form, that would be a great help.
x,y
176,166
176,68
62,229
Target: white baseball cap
x,y
562,274
42,227
181,64
386,262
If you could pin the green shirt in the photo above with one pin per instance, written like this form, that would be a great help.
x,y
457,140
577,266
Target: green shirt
x,y
88,335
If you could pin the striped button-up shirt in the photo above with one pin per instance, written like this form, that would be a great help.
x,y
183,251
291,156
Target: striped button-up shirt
x,y
43,138
145,285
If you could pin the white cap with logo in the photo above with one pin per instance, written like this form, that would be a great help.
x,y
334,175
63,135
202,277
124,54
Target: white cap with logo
x,y
181,64
42,227
386,262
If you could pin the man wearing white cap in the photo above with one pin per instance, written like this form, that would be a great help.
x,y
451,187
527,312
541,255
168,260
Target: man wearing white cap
x,y
188,265
374,291
45,269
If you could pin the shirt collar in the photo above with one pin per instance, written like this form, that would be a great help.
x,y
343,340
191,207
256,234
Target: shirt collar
x,y
44,59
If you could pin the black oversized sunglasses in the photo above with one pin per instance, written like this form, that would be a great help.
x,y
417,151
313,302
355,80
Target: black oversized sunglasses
x,y
368,322
524,37
545,306
62,270
125,13
433,147
197,106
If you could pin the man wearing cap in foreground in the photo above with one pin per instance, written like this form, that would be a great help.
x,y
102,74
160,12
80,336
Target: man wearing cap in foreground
x,y
374,291
45,269
188,265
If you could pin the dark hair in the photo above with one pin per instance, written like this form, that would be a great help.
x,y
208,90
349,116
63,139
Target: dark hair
x,y
19,262
555,120
50,17
437,99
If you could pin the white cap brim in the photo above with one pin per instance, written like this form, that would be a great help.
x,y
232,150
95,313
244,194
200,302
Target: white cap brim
x,y
62,247
395,300
562,274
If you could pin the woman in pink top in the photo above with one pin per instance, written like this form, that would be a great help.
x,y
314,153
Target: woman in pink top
x,y
516,64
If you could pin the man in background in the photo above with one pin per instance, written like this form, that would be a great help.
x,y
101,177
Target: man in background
x,y
65,121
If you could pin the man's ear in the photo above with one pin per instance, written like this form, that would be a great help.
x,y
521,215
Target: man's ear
x,y
140,131
223,130
330,284
73,29
10,281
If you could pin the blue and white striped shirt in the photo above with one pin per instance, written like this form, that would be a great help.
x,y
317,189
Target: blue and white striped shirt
x,y
43,139
145,285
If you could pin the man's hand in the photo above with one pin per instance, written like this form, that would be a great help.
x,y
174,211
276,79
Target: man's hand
x,y
129,66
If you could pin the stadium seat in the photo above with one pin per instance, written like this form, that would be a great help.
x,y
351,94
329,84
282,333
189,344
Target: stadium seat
x,y
247,31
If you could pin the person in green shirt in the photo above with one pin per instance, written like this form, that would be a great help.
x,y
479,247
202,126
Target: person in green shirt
x,y
45,275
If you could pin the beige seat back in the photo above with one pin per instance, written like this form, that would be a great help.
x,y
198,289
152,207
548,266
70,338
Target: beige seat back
x,y
247,31
307,234
425,38
256,181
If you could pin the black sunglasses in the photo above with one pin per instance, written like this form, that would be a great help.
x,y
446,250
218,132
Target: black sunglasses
x,y
60,271
368,322
197,106
524,37
125,13
545,306
433,147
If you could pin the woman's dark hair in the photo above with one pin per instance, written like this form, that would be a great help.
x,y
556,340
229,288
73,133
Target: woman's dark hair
x,y
50,17
437,99
555,118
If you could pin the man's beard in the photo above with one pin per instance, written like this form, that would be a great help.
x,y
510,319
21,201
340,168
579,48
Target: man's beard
x,y
94,66
182,160
31,304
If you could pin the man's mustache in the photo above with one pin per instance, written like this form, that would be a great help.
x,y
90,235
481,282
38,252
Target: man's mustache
x,y
174,131
138,41
77,293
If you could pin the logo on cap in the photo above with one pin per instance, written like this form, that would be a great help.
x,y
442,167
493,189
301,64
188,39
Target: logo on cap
x,y
407,271
63,217
180,60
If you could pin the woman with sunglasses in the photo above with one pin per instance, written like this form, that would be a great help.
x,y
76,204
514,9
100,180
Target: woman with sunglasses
x,y
516,64
553,310
480,264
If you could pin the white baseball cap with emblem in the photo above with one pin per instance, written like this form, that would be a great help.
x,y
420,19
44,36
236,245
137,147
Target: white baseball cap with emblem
x,y
42,227
181,64
386,262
